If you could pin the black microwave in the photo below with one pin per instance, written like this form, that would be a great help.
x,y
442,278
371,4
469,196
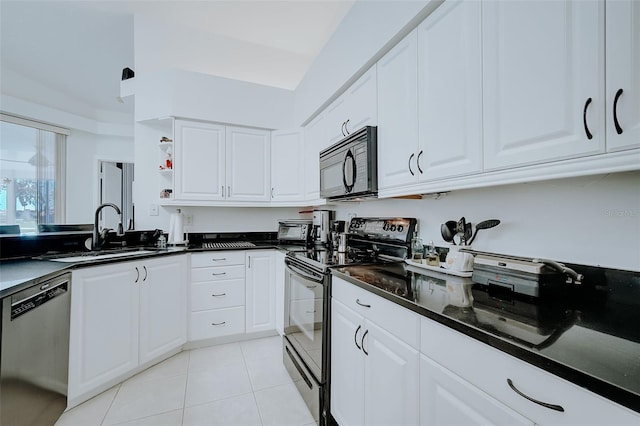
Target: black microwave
x,y
349,168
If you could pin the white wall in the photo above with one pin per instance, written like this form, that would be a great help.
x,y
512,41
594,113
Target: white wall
x,y
84,150
591,220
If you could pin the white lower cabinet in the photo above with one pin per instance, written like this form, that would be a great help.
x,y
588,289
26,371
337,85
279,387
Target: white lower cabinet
x,y
260,291
447,399
122,316
374,371
492,375
217,294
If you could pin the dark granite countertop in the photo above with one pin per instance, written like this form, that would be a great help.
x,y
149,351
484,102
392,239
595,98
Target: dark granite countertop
x,y
588,336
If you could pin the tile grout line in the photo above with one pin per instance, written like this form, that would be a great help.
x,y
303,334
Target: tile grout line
x,y
186,384
104,417
253,391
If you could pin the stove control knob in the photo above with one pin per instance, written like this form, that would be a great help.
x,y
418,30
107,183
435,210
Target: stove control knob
x,y
386,226
400,228
392,228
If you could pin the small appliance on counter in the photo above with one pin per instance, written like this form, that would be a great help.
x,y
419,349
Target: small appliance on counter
x,y
321,221
295,231
529,277
338,237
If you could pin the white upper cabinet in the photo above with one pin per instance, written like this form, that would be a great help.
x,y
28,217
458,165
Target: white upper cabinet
x,y
543,81
623,74
199,157
398,114
450,92
354,109
220,163
315,136
287,165
248,164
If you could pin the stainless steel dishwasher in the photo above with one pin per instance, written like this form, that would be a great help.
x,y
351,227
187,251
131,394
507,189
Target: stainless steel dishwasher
x,y
34,353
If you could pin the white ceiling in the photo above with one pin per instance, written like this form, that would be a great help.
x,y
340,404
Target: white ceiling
x,y
81,47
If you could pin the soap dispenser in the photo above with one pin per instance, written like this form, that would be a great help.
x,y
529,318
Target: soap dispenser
x,y
417,249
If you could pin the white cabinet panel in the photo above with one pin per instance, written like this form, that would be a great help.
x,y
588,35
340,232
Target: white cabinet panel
x,y
217,258
391,381
104,326
217,323
163,307
217,273
260,291
217,294
448,400
398,114
362,102
450,91
248,164
347,366
287,165
315,139
543,76
199,161
623,74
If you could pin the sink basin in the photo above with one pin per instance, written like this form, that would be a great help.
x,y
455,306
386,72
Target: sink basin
x,y
98,255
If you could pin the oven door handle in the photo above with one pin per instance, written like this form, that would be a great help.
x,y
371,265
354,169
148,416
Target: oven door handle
x,y
300,272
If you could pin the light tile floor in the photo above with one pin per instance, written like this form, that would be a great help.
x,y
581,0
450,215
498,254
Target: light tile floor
x,y
241,383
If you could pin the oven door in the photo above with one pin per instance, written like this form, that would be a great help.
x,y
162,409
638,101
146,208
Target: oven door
x,y
306,294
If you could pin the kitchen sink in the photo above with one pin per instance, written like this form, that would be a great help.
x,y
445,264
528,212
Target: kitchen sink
x,y
90,256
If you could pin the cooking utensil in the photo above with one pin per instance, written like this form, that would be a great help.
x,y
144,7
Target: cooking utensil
x,y
485,224
448,230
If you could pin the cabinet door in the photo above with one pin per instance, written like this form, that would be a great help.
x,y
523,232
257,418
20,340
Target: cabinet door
x,y
543,81
287,165
391,384
347,366
398,114
446,399
315,137
336,119
260,291
248,164
163,306
362,103
279,276
199,169
623,75
450,91
103,342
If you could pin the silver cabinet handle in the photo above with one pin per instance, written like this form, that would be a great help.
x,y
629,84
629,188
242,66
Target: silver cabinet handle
x,y
411,158
219,259
222,191
137,276
219,323
249,265
544,404
228,191
355,337
271,192
145,273
219,295
362,304
312,286
220,273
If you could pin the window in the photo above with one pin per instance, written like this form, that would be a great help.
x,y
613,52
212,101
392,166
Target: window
x,y
32,171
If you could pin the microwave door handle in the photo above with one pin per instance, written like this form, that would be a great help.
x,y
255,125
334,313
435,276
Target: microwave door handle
x,y
349,187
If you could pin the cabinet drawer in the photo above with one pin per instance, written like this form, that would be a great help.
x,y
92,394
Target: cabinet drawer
x,y
489,368
217,258
217,294
397,320
217,323
217,274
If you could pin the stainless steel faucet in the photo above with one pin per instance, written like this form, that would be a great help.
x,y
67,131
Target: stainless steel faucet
x,y
99,239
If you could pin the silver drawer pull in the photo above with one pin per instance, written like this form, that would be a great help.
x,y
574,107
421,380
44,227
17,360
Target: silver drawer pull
x,y
219,323
544,404
311,312
221,273
362,304
218,260
219,295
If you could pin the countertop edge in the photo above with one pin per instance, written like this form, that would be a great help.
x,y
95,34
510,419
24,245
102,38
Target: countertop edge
x,y
600,387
